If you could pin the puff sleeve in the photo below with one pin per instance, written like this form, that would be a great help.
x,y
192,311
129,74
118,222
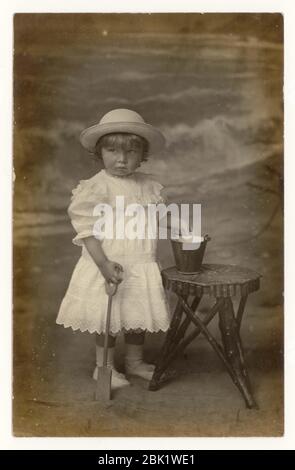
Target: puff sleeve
x,y
85,198
158,192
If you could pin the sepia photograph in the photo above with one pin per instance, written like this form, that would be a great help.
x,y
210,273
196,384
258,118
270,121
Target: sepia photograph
x,y
148,216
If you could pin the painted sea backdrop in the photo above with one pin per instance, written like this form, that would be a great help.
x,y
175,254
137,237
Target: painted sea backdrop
x,y
213,86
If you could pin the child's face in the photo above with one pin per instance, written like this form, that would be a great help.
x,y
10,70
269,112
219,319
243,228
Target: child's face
x,y
121,155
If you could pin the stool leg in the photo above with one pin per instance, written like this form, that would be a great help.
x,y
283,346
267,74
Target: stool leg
x,y
179,333
174,335
240,311
233,350
171,333
180,346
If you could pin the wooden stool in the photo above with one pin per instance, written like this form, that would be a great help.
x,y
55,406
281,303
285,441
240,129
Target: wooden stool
x,y
221,282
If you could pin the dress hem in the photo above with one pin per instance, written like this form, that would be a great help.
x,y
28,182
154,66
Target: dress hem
x,y
125,330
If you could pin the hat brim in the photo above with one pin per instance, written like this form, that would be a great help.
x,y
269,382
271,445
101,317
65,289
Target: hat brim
x,y
91,135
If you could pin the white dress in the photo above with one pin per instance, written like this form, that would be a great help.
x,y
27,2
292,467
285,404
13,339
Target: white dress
x,y
140,302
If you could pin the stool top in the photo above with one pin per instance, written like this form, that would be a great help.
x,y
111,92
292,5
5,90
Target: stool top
x,y
219,280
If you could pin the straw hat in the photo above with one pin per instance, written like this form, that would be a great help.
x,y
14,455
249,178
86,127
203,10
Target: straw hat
x,y
122,121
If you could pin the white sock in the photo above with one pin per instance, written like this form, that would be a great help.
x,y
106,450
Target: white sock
x,y
99,356
118,380
134,363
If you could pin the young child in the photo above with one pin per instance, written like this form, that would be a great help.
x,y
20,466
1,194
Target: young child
x,y
123,141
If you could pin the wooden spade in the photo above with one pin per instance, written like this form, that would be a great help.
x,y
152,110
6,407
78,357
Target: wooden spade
x,y
104,375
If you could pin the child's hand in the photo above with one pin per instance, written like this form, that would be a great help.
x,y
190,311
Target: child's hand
x,y
111,271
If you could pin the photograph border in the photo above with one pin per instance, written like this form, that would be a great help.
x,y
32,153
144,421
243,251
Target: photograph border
x,y
7,441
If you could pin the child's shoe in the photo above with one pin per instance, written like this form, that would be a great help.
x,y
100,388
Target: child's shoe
x,y
134,364
118,380
143,370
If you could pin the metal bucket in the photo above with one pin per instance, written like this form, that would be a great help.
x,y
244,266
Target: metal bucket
x,y
189,261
